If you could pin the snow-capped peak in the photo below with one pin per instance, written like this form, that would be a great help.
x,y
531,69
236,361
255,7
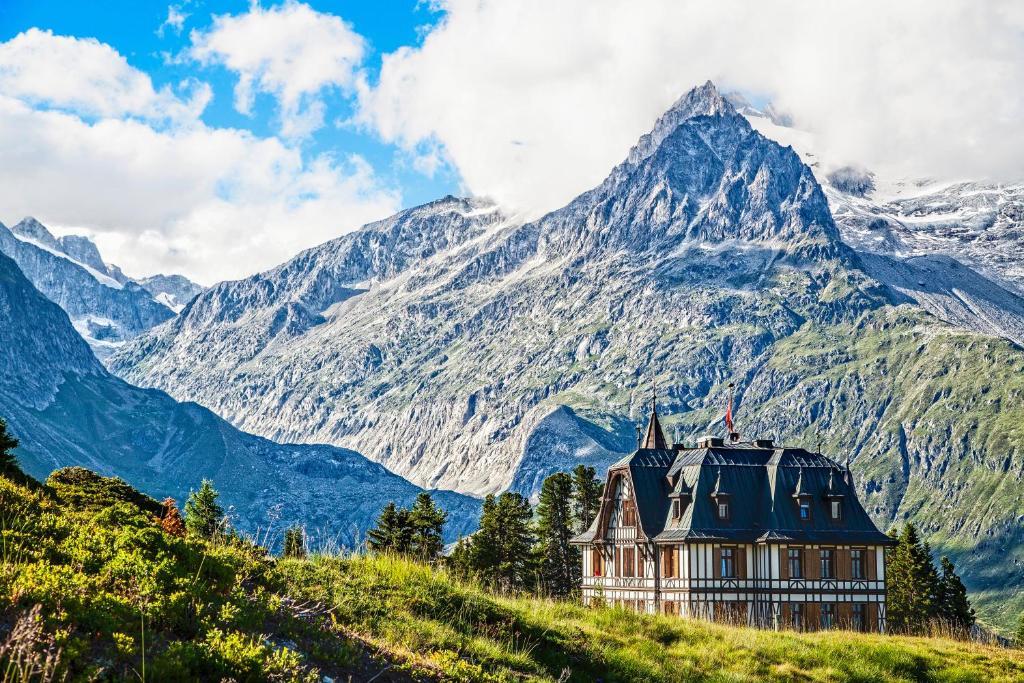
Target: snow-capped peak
x,y
704,100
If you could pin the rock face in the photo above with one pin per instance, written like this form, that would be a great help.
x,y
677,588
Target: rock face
x,y
466,350
105,307
66,409
173,291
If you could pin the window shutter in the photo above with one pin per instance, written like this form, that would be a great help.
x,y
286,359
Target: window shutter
x,y
640,557
618,561
813,619
812,563
843,564
783,563
871,614
717,568
869,560
741,562
787,615
675,561
845,615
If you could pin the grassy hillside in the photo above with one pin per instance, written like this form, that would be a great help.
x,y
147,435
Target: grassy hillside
x,y
121,600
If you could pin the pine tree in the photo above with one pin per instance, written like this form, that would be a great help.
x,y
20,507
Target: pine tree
x,y
8,462
1019,640
171,522
393,532
203,516
913,583
295,542
559,562
502,554
427,524
460,561
586,496
953,606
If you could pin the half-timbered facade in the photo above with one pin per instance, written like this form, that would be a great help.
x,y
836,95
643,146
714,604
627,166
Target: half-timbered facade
x,y
750,533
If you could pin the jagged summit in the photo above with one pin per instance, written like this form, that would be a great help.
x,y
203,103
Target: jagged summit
x,y
704,100
32,229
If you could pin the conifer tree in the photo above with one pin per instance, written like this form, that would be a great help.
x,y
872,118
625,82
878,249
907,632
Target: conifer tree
x,y
502,553
171,522
586,496
393,532
913,583
204,517
559,561
953,606
460,561
1020,632
427,524
295,542
8,463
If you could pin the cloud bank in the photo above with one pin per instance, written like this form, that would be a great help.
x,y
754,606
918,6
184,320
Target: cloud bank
x,y
534,101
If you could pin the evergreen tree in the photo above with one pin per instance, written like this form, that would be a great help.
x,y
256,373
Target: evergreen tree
x,y
393,532
586,497
8,463
913,583
460,562
427,523
953,606
171,522
560,570
295,542
502,553
203,516
1020,632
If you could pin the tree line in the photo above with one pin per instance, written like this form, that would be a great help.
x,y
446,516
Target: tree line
x,y
516,548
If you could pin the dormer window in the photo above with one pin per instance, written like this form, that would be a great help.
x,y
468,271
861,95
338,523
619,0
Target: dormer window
x,y
805,510
836,508
677,509
723,509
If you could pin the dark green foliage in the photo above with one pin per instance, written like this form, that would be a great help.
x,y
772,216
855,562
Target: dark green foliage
x,y
501,553
415,531
295,542
427,522
954,608
918,596
586,496
393,532
1019,640
559,569
8,463
204,517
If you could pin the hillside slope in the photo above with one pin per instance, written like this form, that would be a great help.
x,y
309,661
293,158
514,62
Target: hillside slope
x,y
66,409
708,256
131,602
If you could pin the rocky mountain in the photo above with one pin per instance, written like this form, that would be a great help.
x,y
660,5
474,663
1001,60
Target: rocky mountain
x,y
105,306
503,350
66,409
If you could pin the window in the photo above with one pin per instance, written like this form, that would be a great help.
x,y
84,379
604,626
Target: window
x,y
628,513
837,509
828,615
677,509
805,510
723,510
859,621
728,563
796,615
828,569
857,563
796,565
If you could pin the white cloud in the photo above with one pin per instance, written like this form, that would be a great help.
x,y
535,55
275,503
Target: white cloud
x,y
163,197
291,52
88,77
535,101
175,20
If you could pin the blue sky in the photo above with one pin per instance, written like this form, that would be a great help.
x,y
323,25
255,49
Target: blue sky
x,y
225,141
134,29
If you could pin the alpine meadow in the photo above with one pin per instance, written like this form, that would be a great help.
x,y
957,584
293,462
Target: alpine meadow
x,y
474,341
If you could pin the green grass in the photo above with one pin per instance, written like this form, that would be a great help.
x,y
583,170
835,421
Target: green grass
x,y
123,601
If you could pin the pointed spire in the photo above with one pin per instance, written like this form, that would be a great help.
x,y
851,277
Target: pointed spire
x,y
655,436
